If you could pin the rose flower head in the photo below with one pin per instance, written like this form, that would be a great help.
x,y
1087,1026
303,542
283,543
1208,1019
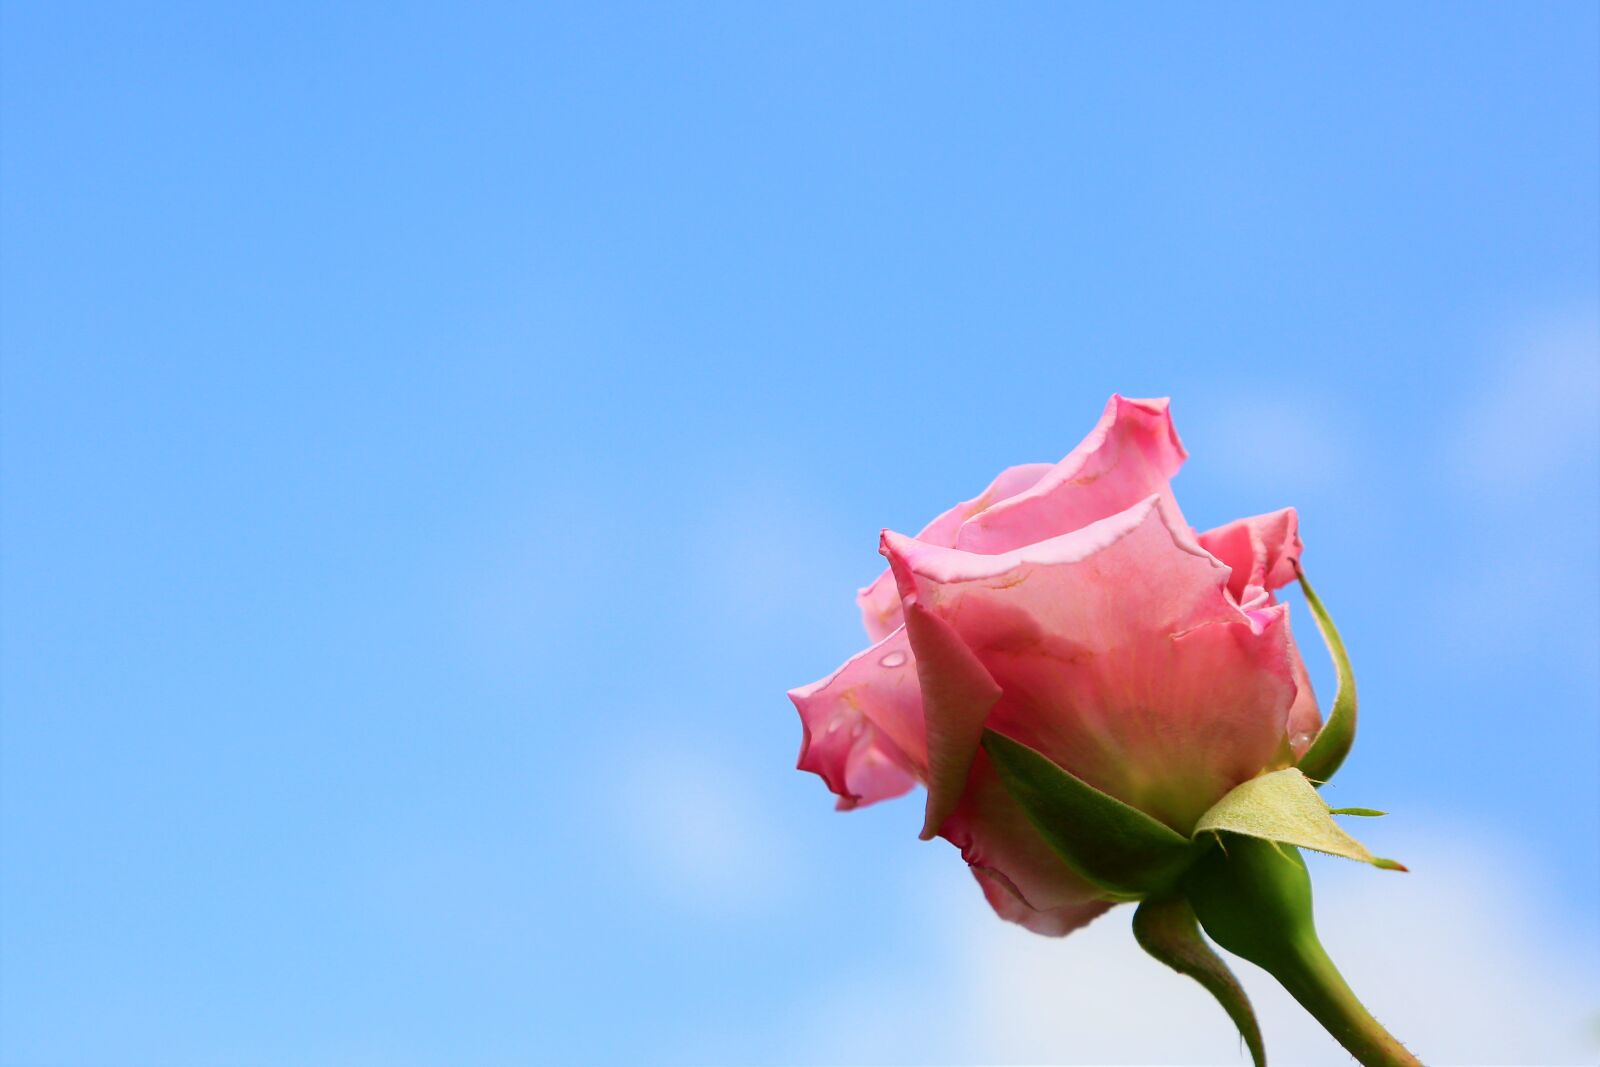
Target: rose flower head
x,y
1068,608
1105,705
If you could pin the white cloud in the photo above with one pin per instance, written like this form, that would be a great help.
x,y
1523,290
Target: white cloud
x,y
1453,957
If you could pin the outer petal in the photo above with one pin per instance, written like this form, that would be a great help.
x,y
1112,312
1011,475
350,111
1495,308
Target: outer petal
x,y
1022,877
957,693
880,603
1263,551
1051,922
1305,716
863,724
1120,655
1132,452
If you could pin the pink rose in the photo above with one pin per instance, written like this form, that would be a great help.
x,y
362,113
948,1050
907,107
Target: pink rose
x,y
1071,608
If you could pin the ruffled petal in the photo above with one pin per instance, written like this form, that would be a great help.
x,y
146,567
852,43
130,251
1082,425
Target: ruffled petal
x,y
863,725
1120,655
1262,550
1132,453
880,604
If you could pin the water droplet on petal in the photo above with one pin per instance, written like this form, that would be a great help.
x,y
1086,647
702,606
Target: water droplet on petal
x,y
893,659
1301,740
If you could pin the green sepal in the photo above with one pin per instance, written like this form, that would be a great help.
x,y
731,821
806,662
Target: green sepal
x,y
1370,813
1166,928
1117,847
1333,741
1284,806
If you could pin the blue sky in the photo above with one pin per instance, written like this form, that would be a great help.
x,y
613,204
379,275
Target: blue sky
x,y
434,439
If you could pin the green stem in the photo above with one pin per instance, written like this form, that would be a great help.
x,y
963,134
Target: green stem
x,y
1312,979
1254,898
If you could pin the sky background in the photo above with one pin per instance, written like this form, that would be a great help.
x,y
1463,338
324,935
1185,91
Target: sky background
x,y
435,437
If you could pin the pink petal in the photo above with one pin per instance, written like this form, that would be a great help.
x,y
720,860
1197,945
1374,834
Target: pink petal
x,y
1262,550
873,772
957,694
1054,922
863,724
1305,716
880,603
1022,876
1131,453
1120,655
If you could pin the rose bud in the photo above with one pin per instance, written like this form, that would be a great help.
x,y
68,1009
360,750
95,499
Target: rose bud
x,y
1070,609
1106,706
